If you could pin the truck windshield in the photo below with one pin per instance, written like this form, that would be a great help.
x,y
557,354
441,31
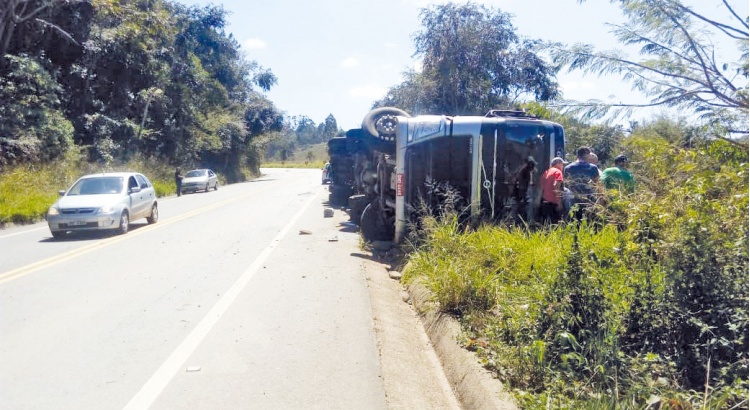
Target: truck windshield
x,y
520,132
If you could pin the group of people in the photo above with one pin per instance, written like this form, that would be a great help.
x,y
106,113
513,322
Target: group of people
x,y
571,189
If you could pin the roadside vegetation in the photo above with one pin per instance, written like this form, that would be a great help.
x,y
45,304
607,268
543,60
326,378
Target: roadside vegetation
x,y
647,306
644,306
301,156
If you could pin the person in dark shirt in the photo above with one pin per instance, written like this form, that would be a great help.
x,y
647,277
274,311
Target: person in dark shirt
x,y
582,177
524,185
178,180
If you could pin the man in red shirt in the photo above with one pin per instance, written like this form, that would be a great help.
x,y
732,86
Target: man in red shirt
x,y
551,183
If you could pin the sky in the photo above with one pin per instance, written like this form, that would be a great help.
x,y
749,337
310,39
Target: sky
x,y
339,56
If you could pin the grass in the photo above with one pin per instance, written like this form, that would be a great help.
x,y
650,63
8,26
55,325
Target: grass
x,y
291,164
27,191
546,311
311,156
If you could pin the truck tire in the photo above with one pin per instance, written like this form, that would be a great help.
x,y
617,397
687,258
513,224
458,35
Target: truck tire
x,y
381,123
339,195
373,225
357,203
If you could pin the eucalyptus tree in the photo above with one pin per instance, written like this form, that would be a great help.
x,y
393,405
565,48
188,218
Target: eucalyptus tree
x,y
689,61
472,60
328,128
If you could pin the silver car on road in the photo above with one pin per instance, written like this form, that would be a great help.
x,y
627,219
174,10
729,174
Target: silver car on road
x,y
200,180
108,201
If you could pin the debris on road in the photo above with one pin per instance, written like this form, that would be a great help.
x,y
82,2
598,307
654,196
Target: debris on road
x,y
305,232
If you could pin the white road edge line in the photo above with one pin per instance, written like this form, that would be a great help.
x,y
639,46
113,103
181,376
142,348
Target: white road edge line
x,y
23,232
159,380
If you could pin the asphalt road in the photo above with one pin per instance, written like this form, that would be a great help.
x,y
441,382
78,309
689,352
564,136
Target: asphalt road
x,y
245,297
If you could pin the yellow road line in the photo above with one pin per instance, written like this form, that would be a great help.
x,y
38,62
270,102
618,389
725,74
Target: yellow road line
x,y
25,270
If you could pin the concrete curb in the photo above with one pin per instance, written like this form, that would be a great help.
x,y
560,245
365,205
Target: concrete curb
x,y
474,386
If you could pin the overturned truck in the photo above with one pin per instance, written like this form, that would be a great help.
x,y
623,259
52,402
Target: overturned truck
x,y
395,163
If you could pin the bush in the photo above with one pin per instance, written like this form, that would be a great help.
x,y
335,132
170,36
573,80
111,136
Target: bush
x,y
649,309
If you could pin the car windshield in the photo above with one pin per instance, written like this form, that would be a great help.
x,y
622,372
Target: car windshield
x,y
97,186
196,173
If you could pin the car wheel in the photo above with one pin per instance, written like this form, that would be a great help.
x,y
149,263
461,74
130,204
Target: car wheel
x,y
216,186
207,187
58,234
122,229
381,123
154,215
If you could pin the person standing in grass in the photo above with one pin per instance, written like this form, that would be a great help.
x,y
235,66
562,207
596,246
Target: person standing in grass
x,y
551,183
594,159
178,180
524,185
582,178
618,177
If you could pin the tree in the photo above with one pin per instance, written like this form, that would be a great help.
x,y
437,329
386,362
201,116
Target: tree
x,y
32,128
307,132
473,60
680,68
17,12
329,128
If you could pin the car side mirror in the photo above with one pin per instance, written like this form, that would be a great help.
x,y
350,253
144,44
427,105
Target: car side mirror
x,y
135,189
61,192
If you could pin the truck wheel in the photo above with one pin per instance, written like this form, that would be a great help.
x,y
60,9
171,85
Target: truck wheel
x,y
339,195
381,123
357,204
373,225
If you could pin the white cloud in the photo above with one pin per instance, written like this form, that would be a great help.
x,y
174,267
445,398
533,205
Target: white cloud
x,y
253,44
368,91
350,62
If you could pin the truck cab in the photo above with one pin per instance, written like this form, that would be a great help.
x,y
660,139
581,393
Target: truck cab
x,y
487,166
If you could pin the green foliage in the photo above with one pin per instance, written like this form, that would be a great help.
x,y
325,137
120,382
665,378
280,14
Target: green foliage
x,y
144,77
604,140
32,129
299,135
27,190
473,60
649,309
686,61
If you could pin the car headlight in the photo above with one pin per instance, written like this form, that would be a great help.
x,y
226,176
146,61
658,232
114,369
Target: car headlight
x,y
53,211
108,209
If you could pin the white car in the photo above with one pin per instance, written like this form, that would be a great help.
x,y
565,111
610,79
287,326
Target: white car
x,y
108,201
200,180
327,173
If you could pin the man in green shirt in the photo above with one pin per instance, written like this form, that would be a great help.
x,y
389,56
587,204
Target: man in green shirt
x,y
618,177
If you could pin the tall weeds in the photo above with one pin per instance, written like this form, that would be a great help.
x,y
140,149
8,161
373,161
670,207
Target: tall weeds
x,y
648,311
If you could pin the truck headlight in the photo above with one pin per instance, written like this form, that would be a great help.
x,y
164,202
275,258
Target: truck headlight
x,y
53,211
